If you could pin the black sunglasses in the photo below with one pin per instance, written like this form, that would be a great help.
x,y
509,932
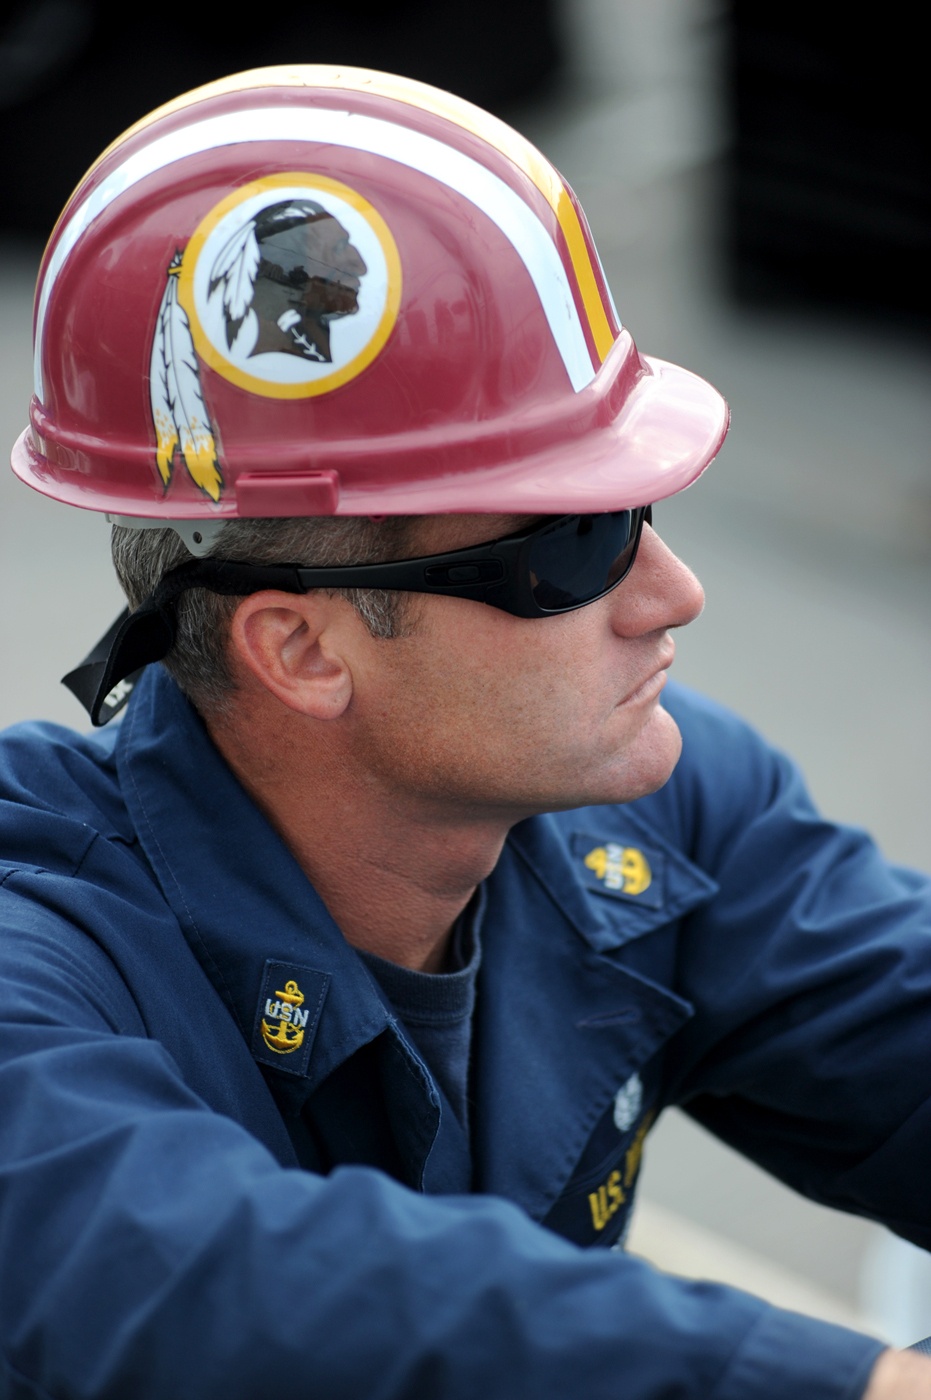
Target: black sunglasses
x,y
551,568
555,567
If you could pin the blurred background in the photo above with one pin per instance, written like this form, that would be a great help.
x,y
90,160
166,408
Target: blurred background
x,y
755,176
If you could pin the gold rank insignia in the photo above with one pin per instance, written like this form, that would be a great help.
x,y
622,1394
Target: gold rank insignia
x,y
620,867
284,1023
288,1013
623,869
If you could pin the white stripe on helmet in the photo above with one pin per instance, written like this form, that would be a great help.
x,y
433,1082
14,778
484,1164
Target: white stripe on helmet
x,y
514,217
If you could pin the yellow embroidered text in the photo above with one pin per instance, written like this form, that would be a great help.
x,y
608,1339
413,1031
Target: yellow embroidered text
x,y
284,1022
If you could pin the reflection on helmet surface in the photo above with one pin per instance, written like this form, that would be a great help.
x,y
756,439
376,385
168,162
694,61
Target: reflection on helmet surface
x,y
304,272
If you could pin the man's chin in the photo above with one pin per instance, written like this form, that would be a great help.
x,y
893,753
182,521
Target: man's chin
x,y
647,765
637,781
656,758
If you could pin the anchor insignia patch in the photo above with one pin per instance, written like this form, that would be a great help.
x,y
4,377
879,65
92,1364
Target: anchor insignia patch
x,y
288,1012
621,870
283,1031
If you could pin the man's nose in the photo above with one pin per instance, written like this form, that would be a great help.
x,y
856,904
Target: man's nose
x,y
659,592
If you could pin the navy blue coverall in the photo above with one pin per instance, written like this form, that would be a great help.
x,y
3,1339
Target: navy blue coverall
x,y
224,1167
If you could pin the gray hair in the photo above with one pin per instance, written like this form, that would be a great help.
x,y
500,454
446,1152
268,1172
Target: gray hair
x,y
198,660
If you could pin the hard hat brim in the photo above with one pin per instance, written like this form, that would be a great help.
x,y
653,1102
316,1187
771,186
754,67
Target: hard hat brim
x,y
670,427
642,431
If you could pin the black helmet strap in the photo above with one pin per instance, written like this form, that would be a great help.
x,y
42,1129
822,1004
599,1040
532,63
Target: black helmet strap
x,y
106,677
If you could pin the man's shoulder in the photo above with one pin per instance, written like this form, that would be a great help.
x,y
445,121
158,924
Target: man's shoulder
x,y
727,775
726,765
706,723
65,871
58,789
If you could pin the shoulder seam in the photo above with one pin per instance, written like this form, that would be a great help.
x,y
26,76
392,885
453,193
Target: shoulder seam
x,y
19,868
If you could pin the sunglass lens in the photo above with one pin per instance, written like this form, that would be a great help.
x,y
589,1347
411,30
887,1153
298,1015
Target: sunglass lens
x,y
582,557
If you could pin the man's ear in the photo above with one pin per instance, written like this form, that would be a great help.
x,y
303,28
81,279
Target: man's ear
x,y
292,644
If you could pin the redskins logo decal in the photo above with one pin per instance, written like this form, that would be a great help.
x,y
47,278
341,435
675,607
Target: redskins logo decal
x,y
289,287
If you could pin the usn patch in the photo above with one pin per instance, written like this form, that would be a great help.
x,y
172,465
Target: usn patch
x,y
625,872
287,1015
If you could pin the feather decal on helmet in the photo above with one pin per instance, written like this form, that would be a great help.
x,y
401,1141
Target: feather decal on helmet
x,y
235,267
182,423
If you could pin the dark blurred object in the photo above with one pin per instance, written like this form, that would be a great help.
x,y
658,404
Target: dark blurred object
x,y
828,188
75,73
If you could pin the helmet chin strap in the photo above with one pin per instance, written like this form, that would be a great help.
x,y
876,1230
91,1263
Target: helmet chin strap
x,y
106,677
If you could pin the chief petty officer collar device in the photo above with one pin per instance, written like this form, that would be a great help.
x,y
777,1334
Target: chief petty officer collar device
x,y
340,292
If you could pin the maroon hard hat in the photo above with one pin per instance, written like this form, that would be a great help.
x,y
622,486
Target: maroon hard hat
x,y
320,290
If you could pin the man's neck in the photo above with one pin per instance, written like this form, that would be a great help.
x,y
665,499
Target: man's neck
x,y
397,898
395,876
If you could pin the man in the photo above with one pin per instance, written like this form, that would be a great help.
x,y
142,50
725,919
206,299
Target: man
x,y
344,978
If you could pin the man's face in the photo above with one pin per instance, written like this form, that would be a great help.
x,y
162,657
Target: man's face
x,y
479,711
